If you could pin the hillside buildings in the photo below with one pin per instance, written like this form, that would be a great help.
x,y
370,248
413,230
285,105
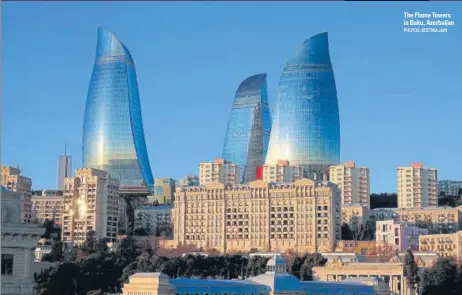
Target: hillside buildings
x,y
281,172
306,124
353,182
14,181
220,171
249,127
113,134
17,246
304,215
91,206
397,235
417,186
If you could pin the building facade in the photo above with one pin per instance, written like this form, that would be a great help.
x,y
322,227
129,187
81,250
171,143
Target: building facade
x,y
449,187
249,127
48,208
164,191
64,170
417,186
17,247
398,235
154,219
446,245
339,269
14,181
113,134
353,182
306,124
354,214
436,220
281,172
303,216
219,171
91,206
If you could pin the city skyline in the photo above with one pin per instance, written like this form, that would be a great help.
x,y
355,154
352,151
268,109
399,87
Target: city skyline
x,y
376,101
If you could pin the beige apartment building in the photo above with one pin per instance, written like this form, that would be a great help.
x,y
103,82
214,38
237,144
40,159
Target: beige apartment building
x,y
219,171
436,219
281,172
353,182
14,181
304,216
447,245
417,186
164,190
48,207
91,206
354,214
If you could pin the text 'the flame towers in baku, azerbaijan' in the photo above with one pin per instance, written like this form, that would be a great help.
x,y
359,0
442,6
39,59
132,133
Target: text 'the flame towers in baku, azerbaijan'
x,y
306,124
249,127
113,135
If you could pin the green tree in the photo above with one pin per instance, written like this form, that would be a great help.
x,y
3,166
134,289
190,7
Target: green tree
x,y
444,277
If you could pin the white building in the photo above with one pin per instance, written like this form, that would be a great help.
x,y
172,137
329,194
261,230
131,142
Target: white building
x,y
18,243
281,172
449,187
91,206
353,182
417,186
397,235
219,171
154,218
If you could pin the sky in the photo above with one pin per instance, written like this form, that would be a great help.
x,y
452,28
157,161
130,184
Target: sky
x,y
399,93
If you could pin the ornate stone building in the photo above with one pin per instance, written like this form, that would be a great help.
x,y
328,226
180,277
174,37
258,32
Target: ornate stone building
x,y
304,216
14,181
18,243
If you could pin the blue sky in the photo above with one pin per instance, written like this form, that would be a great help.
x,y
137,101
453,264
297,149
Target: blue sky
x,y
399,93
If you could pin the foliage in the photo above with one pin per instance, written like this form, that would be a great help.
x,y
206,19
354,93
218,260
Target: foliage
x,y
95,270
384,200
358,232
51,230
445,277
56,253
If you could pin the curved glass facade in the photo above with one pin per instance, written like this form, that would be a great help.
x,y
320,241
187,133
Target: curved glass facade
x,y
249,127
306,124
113,135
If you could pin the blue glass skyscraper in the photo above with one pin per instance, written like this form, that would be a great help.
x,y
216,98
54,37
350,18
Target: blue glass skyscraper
x,y
249,127
306,124
113,135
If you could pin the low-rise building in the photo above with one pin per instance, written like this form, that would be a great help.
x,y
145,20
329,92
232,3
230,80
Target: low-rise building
x,y
447,245
449,187
48,208
154,219
358,247
341,266
397,235
354,213
276,281
188,180
383,213
17,247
